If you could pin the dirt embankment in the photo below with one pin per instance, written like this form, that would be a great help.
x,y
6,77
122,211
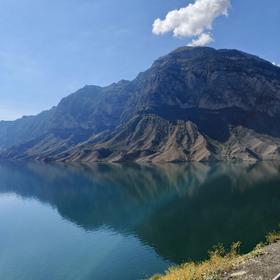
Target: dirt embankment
x,y
264,265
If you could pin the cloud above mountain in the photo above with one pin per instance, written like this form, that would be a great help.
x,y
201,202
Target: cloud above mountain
x,y
193,21
202,40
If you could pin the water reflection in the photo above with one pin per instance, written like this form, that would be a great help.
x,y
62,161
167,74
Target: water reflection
x,y
179,210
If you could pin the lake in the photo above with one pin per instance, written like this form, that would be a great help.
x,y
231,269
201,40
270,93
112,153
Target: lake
x,y
128,221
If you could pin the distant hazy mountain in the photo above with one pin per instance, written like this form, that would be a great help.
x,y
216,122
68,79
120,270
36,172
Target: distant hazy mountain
x,y
194,104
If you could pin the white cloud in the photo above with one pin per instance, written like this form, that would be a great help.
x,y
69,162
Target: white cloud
x,y
276,64
193,20
202,40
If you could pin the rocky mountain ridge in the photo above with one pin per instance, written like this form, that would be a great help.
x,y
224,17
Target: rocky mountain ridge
x,y
195,104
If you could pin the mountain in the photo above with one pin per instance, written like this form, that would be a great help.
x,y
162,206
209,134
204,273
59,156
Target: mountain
x,y
194,104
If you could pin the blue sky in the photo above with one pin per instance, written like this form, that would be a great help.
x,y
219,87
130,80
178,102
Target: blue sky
x,y
50,48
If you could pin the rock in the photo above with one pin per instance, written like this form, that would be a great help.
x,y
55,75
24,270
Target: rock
x,y
194,104
237,274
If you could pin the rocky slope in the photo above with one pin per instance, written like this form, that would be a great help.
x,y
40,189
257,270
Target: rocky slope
x,y
194,104
264,266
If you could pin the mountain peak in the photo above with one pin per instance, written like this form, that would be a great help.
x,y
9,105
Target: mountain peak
x,y
205,104
192,49
208,51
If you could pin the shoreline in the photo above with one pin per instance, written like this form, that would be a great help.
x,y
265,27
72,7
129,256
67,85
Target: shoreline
x,y
263,263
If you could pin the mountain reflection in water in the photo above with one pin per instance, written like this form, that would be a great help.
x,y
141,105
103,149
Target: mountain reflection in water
x,y
180,210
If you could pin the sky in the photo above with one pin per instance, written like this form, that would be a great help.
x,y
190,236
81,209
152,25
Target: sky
x,y
51,48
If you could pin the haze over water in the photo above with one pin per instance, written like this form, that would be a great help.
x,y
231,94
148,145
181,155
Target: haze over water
x,y
122,222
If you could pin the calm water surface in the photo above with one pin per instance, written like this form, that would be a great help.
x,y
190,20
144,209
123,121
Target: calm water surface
x,y
126,222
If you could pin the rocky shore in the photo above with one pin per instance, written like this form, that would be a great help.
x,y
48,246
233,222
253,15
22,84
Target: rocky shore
x,y
264,265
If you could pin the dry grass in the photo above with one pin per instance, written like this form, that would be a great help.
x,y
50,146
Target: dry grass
x,y
219,262
273,237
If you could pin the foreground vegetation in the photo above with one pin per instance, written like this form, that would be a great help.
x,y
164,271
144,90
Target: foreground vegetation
x,y
219,262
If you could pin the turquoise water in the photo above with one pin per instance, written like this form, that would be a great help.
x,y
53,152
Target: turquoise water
x,y
122,222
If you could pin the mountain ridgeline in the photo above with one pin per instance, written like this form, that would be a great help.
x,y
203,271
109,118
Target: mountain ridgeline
x,y
194,104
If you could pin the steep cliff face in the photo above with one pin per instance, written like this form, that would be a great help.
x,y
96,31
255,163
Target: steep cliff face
x,y
89,110
204,78
153,139
147,138
193,104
